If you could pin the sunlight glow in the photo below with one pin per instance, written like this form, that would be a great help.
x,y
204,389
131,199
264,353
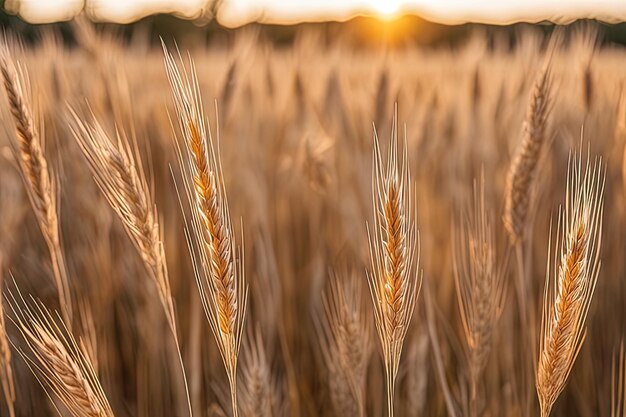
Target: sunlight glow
x,y
387,8
239,12
234,13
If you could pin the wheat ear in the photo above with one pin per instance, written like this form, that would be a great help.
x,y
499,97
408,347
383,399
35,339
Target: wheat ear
x,y
119,174
520,177
479,285
576,267
346,336
35,172
394,250
259,387
219,275
117,169
519,194
61,366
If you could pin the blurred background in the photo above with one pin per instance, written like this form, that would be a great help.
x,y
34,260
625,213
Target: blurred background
x,y
394,23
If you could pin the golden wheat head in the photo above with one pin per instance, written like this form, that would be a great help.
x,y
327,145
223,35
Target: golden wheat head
x,y
117,170
41,189
568,294
62,367
394,250
218,264
522,171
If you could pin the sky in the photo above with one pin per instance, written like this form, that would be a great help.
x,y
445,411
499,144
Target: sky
x,y
238,12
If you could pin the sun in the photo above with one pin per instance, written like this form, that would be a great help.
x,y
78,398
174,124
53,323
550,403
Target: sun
x,y
386,8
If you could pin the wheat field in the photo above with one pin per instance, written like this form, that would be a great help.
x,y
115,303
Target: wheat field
x,y
241,228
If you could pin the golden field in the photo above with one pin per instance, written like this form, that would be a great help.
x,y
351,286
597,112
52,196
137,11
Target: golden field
x,y
251,229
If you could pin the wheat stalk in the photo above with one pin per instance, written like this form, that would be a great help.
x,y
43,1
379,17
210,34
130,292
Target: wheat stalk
x,y
577,265
62,367
394,252
479,285
35,172
219,276
618,383
519,194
